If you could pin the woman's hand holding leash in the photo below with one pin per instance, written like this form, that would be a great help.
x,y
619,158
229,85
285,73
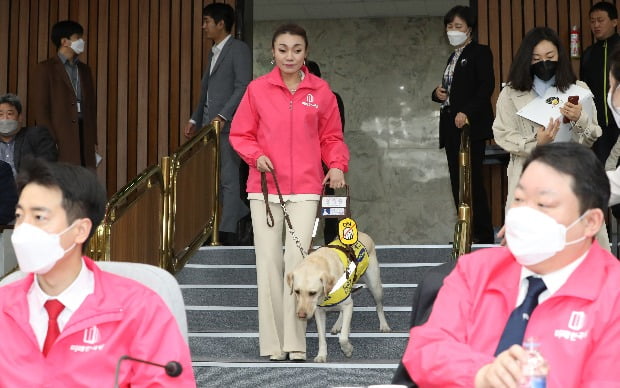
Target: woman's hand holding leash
x,y
263,164
335,176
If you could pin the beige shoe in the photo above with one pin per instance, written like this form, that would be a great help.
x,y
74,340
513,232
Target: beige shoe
x,y
278,357
297,356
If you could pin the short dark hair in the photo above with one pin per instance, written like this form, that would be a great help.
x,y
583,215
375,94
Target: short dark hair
x,y
64,29
82,195
462,11
292,29
12,100
520,76
219,12
313,68
611,10
589,180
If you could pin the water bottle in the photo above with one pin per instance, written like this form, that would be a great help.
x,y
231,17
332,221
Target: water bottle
x,y
535,368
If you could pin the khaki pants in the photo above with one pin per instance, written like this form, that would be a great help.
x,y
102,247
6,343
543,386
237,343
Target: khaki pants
x,y
279,328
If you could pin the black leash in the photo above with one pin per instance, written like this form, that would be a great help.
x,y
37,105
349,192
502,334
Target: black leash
x,y
269,215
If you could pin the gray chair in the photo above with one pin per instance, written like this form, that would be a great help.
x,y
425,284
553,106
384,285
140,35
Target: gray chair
x,y
155,278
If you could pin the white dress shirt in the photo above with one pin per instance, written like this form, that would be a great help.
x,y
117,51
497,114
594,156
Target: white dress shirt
x,y
217,49
71,298
554,280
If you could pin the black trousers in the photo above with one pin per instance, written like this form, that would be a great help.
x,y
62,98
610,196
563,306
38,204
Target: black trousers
x,y
482,226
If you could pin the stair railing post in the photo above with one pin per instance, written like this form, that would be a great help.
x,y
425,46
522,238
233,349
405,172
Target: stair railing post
x,y
462,229
216,211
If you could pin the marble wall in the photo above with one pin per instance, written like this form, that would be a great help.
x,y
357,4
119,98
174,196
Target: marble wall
x,y
385,70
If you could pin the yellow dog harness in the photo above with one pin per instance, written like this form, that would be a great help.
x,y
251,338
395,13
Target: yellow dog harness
x,y
355,264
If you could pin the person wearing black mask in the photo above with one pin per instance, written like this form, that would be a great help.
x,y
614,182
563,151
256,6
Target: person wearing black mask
x,y
594,70
541,63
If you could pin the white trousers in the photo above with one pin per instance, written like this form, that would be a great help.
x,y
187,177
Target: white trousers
x,y
279,328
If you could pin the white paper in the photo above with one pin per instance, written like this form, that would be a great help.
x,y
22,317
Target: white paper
x,y
541,109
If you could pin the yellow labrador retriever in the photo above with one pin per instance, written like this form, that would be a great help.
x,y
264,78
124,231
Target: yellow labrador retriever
x,y
314,278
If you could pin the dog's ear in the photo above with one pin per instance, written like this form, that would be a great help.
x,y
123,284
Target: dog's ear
x,y
328,282
290,280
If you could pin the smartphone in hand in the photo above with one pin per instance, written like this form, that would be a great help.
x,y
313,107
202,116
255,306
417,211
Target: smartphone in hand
x,y
573,100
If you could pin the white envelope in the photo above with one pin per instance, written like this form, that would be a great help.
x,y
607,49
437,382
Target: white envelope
x,y
541,109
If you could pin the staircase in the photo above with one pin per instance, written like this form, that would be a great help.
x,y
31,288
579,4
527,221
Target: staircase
x,y
219,288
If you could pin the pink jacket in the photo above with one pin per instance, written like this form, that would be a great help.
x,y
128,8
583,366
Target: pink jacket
x,y
122,317
578,327
295,131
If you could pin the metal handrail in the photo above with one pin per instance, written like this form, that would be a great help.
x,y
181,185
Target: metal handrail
x,y
165,175
171,166
462,229
119,203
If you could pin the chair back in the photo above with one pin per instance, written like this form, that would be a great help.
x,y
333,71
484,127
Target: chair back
x,y
155,278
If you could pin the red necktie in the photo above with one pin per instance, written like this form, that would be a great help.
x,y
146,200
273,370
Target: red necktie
x,y
54,308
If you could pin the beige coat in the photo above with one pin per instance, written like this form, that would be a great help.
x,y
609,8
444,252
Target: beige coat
x,y
517,135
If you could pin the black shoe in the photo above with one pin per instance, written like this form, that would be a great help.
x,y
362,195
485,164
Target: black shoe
x,y
245,233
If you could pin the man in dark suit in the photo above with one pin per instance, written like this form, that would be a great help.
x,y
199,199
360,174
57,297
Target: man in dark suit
x,y
224,82
16,142
63,96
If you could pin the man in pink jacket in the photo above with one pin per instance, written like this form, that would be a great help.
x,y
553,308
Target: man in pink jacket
x,y
68,323
558,209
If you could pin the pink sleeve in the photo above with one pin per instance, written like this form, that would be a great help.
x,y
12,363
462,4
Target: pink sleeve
x,y
158,339
334,151
243,130
437,354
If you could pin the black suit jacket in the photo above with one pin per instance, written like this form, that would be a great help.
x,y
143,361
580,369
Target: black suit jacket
x,y
473,83
8,194
36,142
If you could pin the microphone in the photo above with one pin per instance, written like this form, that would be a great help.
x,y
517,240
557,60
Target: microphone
x,y
173,368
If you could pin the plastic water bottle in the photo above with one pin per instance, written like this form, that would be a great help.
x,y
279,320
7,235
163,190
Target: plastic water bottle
x,y
535,369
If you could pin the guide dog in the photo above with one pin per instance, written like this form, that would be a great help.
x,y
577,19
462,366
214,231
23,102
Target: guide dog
x,y
314,278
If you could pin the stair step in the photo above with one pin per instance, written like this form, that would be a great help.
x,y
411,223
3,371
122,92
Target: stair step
x,y
289,374
246,274
246,320
244,346
393,295
385,253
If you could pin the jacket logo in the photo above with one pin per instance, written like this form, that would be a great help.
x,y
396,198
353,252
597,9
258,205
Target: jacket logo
x,y
310,101
577,320
91,335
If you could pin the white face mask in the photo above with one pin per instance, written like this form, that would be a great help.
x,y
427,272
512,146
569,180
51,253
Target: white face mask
x,y
456,38
614,111
533,236
8,127
78,46
37,251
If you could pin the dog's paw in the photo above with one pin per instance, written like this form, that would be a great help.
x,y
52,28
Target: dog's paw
x,y
335,330
347,349
385,328
320,358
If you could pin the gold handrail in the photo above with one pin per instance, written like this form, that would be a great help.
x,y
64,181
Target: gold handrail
x,y
165,175
178,257
462,229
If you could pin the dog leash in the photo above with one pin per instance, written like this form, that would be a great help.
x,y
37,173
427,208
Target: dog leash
x,y
269,215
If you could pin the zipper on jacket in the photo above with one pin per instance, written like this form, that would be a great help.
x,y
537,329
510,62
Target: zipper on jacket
x,y
290,107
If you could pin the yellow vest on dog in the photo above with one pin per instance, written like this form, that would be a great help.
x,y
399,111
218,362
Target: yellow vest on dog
x,y
356,268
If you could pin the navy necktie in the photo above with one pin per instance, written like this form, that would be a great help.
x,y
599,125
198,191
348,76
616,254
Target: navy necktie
x,y
517,322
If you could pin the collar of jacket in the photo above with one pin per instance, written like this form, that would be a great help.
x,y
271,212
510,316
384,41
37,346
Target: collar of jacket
x,y
275,78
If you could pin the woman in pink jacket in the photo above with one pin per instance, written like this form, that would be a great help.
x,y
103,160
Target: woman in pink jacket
x,y
287,122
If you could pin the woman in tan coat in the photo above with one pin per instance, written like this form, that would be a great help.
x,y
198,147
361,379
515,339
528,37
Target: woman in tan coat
x,y
541,63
